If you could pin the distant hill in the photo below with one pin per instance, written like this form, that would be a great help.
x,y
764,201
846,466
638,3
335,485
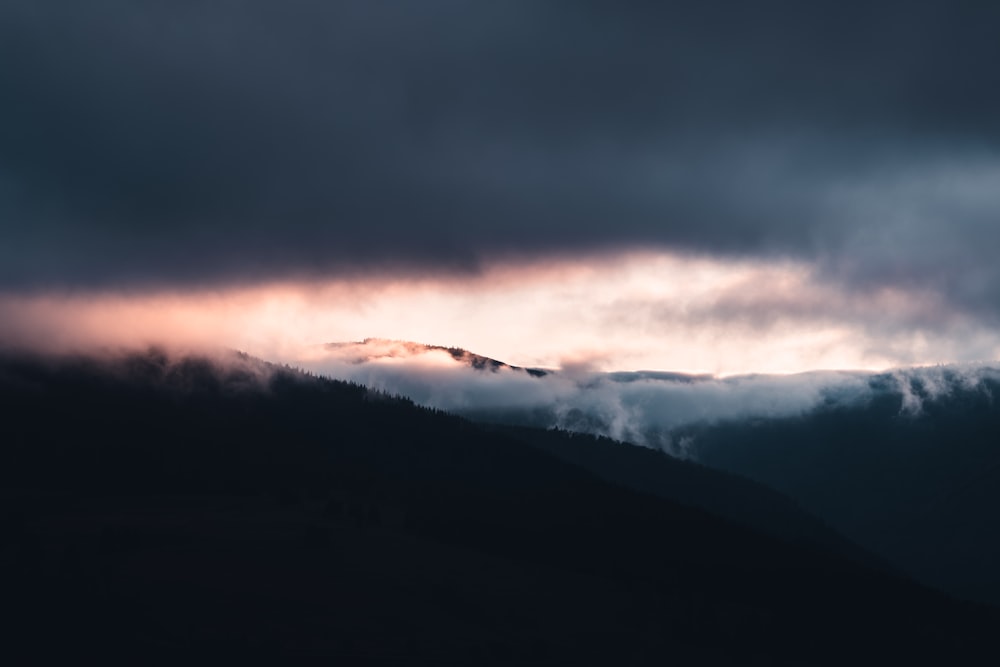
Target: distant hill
x,y
161,506
379,348
912,473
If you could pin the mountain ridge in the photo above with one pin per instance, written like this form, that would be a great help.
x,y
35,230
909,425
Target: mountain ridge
x,y
370,349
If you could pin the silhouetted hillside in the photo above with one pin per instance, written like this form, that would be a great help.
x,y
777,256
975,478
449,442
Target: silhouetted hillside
x,y
726,495
162,507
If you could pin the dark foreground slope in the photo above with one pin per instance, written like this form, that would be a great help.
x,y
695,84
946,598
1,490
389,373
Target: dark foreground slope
x,y
158,508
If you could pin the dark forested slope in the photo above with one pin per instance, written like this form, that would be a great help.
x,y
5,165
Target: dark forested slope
x,y
724,494
158,506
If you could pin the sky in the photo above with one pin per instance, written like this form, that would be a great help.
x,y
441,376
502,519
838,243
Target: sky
x,y
695,186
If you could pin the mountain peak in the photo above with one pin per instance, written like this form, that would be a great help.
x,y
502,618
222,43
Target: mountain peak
x,y
371,349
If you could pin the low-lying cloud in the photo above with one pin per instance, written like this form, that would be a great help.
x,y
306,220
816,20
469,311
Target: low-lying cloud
x,y
646,408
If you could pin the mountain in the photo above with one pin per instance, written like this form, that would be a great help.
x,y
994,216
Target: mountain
x,y
643,469
371,349
161,506
912,472
903,463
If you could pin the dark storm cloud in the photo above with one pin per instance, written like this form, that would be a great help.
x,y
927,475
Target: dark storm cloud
x,y
179,142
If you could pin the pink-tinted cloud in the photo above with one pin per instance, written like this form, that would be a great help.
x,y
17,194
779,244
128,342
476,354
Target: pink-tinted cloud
x,y
626,311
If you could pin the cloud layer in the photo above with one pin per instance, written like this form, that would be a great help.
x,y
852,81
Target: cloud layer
x,y
646,408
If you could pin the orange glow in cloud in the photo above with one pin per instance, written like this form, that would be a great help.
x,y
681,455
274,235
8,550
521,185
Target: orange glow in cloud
x,y
650,311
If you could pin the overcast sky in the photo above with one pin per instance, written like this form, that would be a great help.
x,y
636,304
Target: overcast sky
x,y
152,147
